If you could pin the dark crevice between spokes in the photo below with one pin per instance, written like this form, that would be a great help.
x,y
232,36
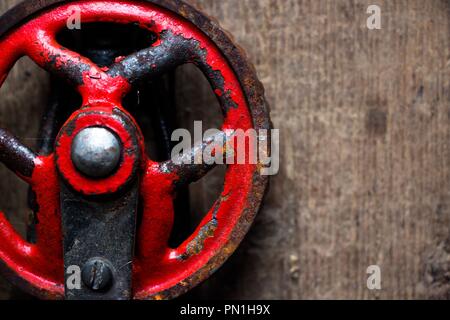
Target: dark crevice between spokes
x,y
103,42
201,195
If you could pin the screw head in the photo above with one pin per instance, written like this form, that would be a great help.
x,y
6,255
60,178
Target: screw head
x,y
97,275
96,152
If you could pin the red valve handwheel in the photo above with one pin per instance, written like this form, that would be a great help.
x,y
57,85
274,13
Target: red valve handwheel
x,y
184,36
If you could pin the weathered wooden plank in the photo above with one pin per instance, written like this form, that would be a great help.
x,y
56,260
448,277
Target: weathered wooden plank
x,y
364,121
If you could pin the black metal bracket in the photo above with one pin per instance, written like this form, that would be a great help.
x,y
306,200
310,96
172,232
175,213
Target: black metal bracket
x,y
99,241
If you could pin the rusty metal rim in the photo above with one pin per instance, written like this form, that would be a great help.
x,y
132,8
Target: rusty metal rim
x,y
254,93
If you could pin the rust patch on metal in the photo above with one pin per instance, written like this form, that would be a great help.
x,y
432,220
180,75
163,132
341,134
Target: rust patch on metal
x,y
207,231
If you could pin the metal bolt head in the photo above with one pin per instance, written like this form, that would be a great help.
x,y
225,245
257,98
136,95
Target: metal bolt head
x,y
96,152
97,275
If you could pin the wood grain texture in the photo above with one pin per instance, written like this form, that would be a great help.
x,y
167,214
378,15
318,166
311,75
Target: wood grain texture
x,y
364,119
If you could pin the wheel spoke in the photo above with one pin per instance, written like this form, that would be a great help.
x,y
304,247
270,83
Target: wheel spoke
x,y
170,52
60,61
191,166
158,213
45,186
15,155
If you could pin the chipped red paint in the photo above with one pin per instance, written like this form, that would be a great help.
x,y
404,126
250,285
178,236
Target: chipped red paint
x,y
39,264
158,269
113,119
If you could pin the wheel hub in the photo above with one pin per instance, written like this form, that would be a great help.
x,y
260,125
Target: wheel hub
x,y
96,152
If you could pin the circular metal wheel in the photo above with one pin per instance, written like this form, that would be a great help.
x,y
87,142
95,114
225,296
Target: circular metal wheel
x,y
184,35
